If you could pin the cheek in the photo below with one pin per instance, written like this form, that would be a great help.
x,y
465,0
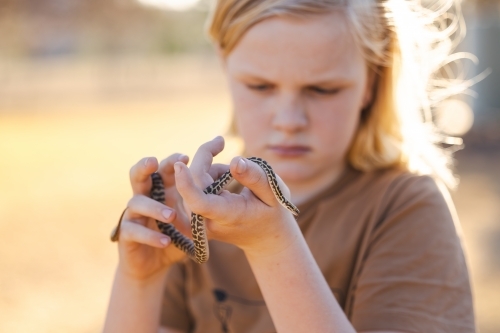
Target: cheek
x,y
337,122
250,117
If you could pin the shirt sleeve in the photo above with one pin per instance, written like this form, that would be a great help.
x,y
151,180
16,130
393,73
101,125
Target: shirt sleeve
x,y
414,276
175,312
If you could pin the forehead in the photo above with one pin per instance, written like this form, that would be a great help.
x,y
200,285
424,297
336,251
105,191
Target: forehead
x,y
311,47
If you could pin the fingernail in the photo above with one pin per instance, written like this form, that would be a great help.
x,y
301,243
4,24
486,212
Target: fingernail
x,y
166,213
241,166
146,161
164,241
182,157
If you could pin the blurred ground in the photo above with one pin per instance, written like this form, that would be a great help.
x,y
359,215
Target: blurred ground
x,y
69,132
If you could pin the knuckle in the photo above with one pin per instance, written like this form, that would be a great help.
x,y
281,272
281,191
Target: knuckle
x,y
169,160
207,208
256,177
142,233
135,169
174,157
133,232
215,228
202,208
163,163
125,233
132,202
135,202
132,171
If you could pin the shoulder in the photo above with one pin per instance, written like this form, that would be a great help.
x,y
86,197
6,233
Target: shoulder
x,y
388,197
392,189
406,203
414,213
412,265
404,189
398,182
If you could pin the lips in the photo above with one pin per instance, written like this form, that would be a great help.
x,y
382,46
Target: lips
x,y
289,150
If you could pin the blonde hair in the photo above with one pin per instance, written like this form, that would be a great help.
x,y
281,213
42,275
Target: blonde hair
x,y
406,45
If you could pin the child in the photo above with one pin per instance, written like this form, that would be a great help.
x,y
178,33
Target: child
x,y
335,96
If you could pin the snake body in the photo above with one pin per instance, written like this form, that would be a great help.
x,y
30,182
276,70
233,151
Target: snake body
x,y
197,249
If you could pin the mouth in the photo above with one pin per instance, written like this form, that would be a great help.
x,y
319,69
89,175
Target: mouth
x,y
289,150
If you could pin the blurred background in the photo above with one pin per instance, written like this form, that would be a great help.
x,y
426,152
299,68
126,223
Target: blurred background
x,y
89,87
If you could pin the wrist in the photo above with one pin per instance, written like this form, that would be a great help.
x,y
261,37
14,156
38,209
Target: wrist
x,y
140,280
135,304
283,241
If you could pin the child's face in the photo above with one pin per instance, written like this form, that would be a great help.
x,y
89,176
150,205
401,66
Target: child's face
x,y
298,87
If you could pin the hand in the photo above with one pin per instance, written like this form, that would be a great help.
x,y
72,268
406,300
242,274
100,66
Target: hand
x,y
253,220
143,249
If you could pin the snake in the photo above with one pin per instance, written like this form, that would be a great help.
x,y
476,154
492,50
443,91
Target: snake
x,y
197,248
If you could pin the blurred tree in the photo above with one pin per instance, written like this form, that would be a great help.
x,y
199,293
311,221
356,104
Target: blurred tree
x,y
62,27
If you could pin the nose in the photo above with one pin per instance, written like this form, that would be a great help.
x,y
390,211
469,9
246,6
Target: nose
x,y
290,114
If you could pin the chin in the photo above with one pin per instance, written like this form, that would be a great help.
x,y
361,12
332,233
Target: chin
x,y
291,172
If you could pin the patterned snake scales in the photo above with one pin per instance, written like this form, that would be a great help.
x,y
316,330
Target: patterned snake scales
x,y
197,249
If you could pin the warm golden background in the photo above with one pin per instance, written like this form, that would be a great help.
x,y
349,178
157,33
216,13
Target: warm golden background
x,y
88,87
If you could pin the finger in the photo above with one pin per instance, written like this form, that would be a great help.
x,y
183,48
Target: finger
x,y
142,206
217,170
193,196
202,160
133,232
252,176
172,197
166,168
140,175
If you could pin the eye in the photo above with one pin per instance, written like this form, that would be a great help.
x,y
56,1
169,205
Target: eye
x,y
323,91
260,87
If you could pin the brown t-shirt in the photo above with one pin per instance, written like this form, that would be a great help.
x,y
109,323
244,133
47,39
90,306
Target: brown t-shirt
x,y
386,243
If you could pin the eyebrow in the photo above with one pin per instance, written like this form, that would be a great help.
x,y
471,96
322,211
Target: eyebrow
x,y
322,81
248,76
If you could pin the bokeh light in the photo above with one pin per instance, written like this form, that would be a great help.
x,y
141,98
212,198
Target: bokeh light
x,y
454,117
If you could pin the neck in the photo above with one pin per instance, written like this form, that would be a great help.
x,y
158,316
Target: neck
x,y
306,190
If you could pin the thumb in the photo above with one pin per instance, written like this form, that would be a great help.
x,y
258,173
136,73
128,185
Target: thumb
x,y
252,175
